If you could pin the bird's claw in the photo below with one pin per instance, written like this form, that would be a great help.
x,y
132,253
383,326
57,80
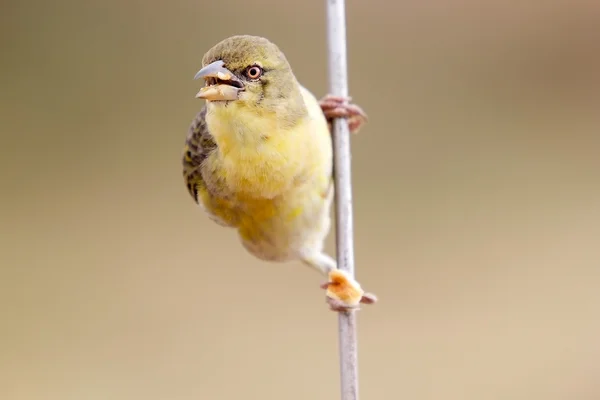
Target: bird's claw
x,y
340,107
339,306
344,294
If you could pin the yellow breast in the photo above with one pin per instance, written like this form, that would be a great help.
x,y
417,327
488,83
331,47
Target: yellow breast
x,y
255,157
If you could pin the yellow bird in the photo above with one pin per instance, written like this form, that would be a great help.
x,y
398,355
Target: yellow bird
x,y
258,158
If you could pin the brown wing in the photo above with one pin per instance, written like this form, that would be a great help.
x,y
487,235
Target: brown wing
x,y
198,145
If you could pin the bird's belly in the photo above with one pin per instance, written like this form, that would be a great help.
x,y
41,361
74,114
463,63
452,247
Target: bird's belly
x,y
280,229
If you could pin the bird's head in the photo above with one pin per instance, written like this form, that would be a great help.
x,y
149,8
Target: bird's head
x,y
249,71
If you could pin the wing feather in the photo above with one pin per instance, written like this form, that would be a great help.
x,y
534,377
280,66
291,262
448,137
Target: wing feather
x,y
198,145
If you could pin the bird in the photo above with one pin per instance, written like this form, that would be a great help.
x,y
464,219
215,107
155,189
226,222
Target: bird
x,y
258,158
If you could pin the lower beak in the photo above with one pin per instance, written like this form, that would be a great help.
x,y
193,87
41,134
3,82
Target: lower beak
x,y
226,86
218,92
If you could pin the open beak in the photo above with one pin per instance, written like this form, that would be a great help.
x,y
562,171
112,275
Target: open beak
x,y
221,83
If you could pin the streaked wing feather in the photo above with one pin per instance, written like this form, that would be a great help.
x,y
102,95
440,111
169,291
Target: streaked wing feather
x,y
198,145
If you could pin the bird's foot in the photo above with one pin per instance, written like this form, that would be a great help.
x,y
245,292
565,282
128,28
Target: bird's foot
x,y
340,107
344,294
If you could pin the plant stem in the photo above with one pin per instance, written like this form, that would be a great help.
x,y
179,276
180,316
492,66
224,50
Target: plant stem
x,y
338,86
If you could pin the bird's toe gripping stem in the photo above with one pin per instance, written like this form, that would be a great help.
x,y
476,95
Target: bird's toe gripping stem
x,y
340,107
344,294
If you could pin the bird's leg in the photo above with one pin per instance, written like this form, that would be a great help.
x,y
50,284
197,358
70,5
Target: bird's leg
x,y
344,294
340,107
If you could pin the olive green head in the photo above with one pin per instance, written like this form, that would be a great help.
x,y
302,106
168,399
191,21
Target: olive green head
x,y
249,70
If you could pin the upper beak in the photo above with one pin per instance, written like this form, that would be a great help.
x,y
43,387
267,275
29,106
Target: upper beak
x,y
222,84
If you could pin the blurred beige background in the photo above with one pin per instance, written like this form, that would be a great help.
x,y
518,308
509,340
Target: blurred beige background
x,y
477,206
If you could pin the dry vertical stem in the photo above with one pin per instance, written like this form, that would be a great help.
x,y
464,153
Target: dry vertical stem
x,y
338,86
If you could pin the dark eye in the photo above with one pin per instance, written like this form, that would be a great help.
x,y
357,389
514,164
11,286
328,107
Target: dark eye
x,y
254,72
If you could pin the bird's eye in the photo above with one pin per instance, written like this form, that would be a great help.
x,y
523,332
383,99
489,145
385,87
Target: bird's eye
x,y
254,72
